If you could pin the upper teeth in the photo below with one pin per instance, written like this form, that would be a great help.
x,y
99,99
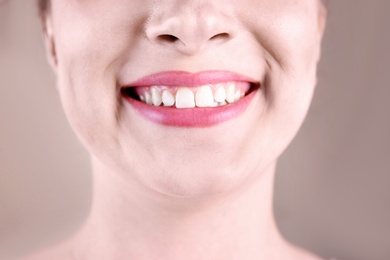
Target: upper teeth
x,y
186,97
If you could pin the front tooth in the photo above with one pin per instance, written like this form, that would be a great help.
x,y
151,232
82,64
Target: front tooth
x,y
148,98
220,94
167,98
204,97
156,97
185,98
231,93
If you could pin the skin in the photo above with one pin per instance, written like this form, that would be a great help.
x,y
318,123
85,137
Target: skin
x,y
152,200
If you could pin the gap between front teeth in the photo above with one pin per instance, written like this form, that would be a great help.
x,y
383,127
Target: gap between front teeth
x,y
185,97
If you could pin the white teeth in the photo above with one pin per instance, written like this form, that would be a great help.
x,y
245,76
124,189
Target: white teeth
x,y
148,98
204,97
167,98
156,97
189,97
215,104
220,94
231,93
185,98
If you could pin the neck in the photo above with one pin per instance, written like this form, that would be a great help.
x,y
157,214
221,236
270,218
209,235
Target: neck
x,y
128,221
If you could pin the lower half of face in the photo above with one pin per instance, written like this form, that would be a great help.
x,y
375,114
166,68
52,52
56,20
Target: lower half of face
x,y
187,98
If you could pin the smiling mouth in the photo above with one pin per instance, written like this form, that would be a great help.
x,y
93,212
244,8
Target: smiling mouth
x,y
210,95
184,99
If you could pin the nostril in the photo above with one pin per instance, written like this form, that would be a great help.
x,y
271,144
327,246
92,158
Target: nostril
x,y
220,36
167,38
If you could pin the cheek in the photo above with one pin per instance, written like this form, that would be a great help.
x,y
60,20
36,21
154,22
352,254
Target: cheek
x,y
293,59
292,46
87,86
89,52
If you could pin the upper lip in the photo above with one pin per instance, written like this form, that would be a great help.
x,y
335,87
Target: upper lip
x,y
188,79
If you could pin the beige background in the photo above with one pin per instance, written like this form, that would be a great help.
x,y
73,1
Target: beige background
x,y
332,189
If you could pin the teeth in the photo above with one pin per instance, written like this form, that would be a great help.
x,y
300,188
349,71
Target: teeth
x,y
156,97
204,97
167,98
220,94
185,98
148,98
215,104
231,93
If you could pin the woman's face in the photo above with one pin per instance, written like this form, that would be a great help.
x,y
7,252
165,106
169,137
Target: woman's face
x,y
99,48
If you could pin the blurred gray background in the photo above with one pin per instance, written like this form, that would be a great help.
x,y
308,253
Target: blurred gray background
x,y
333,183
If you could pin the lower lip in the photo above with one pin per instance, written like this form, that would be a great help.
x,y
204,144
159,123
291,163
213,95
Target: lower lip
x,y
191,117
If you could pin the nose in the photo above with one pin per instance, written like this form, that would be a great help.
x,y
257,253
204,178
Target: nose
x,y
190,26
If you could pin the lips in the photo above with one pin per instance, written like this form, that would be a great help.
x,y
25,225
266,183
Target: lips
x,y
184,99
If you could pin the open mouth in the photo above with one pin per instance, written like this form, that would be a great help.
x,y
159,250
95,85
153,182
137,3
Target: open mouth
x,y
211,95
184,99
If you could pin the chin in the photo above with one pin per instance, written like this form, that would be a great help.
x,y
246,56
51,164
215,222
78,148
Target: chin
x,y
204,176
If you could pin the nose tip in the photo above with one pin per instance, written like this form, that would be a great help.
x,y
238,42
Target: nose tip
x,y
190,29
